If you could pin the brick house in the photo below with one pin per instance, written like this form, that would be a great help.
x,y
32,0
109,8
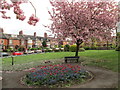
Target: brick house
x,y
12,40
29,41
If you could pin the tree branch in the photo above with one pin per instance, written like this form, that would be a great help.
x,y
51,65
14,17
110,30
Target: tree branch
x,y
33,7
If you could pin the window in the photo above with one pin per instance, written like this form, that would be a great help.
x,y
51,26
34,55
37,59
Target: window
x,y
13,35
10,41
2,41
22,42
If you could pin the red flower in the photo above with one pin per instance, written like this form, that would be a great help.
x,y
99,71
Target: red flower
x,y
35,75
50,73
32,71
75,71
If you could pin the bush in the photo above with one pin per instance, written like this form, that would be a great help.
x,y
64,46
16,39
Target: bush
x,y
33,48
81,49
93,48
62,46
114,46
49,50
73,48
61,49
15,50
87,48
8,50
4,50
52,74
66,47
103,48
56,49
39,48
21,48
117,48
44,44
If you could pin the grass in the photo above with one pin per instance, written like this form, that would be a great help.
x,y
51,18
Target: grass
x,y
102,58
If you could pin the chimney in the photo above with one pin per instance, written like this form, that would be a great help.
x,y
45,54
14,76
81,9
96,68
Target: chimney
x,y
21,32
1,30
45,35
34,34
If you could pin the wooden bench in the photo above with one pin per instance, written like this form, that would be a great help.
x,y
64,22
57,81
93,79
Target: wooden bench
x,y
71,58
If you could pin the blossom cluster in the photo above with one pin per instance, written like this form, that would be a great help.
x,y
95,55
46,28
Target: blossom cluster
x,y
33,20
4,6
19,12
52,74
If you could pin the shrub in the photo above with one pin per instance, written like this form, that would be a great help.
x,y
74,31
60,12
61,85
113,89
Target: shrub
x,y
93,48
61,49
21,48
8,50
44,44
33,48
56,46
56,49
39,48
49,50
87,48
29,48
114,46
66,47
62,46
81,49
52,74
15,50
117,48
103,48
73,48
4,50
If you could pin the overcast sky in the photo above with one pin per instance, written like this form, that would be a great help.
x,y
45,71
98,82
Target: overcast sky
x,y
13,26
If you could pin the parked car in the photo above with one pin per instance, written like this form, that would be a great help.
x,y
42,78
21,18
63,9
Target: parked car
x,y
38,51
17,53
3,54
28,52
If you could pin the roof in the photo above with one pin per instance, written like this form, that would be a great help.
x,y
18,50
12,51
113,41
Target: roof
x,y
17,37
4,36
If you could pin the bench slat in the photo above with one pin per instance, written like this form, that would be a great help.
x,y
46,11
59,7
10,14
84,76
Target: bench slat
x,y
72,58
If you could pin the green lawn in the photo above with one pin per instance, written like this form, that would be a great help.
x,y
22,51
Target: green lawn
x,y
102,58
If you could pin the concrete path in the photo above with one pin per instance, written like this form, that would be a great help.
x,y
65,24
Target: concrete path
x,y
102,79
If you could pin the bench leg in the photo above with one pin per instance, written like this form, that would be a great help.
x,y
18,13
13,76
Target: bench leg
x,y
65,60
77,60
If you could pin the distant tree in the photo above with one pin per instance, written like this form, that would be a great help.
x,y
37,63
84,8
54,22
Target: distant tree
x,y
44,44
82,20
16,46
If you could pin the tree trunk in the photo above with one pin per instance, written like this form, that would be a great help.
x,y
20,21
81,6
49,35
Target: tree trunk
x,y
77,48
107,45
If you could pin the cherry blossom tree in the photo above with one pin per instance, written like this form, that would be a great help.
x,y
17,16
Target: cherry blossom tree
x,y
15,4
82,20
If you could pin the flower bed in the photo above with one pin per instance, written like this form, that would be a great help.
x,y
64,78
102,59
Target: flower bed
x,y
54,74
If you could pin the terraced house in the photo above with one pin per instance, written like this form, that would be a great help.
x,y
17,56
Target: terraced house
x,y
26,41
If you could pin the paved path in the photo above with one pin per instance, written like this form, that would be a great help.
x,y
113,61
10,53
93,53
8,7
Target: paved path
x,y
102,79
